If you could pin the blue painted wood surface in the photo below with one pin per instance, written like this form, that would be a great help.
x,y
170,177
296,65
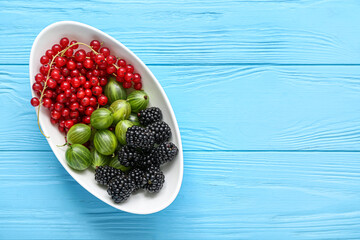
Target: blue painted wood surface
x,y
266,94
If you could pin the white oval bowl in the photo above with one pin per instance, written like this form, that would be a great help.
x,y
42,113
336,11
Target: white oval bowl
x,y
141,202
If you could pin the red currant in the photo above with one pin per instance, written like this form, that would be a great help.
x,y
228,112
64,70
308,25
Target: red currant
x,y
55,74
103,66
81,109
82,80
105,51
97,90
103,81
62,123
51,83
136,78
35,102
44,59
69,124
37,87
73,98
94,81
56,48
46,102
111,69
39,78
65,85
58,106
69,52
61,129
74,106
54,121
89,111
102,73
68,92
75,82
129,68
86,119
121,72
121,63
64,42
88,63
120,79
75,73
138,86
71,65
87,84
74,114
128,77
111,59
60,61
48,93
93,101
44,69
49,53
127,84
75,46
80,55
80,94
61,98
85,101
102,100
55,114
88,92
65,71
95,44
99,58
96,72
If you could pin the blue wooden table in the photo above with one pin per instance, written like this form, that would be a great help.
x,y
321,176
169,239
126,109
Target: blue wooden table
x,y
267,96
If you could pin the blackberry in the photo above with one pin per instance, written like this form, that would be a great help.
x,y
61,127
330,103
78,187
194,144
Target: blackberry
x,y
138,177
104,174
162,131
128,156
140,138
149,115
154,179
120,188
166,152
149,159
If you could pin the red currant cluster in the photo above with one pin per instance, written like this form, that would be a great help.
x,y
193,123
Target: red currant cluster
x,y
70,81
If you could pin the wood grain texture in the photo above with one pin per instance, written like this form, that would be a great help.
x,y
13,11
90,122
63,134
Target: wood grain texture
x,y
188,32
223,196
227,107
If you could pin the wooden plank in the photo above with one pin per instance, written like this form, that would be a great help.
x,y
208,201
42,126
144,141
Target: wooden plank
x,y
230,195
227,107
188,32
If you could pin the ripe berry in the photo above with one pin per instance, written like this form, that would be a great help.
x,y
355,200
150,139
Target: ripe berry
x,y
89,75
54,121
55,114
86,119
127,84
88,92
96,72
138,86
120,79
56,48
55,74
69,52
121,63
65,72
46,102
60,61
75,82
129,68
81,109
71,65
80,55
74,114
68,92
85,101
51,83
73,98
105,51
65,85
103,66
82,80
69,124
99,58
97,90
39,78
102,100
103,73
88,63
49,53
74,106
89,111
121,72
136,78
111,59
35,102
80,94
93,101
65,112
61,129
48,93
44,59
75,73
75,46
58,106
129,77
64,42
87,84
37,87
61,98
94,81
44,69
103,81
95,44
111,69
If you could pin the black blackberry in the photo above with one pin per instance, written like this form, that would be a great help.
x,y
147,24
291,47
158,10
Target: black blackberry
x,y
138,177
154,179
149,115
128,156
162,131
148,159
166,152
140,138
120,188
104,174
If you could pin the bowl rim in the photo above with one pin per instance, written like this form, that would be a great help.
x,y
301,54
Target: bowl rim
x,y
158,86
